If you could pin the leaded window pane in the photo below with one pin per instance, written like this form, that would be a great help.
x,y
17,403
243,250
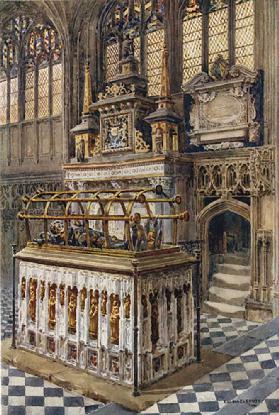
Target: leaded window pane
x,y
43,92
14,100
218,34
155,44
3,102
29,96
244,33
112,60
192,46
57,89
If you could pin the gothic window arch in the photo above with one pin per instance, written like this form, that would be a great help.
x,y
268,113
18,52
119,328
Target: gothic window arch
x,y
142,20
214,27
30,71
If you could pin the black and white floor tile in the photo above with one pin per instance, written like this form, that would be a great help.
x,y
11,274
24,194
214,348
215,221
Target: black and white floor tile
x,y
218,388
22,393
216,330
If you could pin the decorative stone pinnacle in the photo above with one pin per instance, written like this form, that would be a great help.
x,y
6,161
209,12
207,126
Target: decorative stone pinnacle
x,y
87,98
165,77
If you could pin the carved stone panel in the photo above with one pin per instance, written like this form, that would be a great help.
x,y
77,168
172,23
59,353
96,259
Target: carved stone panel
x,y
223,109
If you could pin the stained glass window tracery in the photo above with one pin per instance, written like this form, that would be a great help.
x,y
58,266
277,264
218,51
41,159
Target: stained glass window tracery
x,y
29,52
142,20
217,27
3,102
192,46
244,33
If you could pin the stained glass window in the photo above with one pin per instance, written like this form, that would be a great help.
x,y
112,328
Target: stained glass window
x,y
3,102
112,60
143,21
57,89
29,52
219,24
29,95
244,33
14,100
155,44
218,42
192,46
43,92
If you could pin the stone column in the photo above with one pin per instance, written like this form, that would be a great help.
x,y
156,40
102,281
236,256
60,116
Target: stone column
x,y
267,59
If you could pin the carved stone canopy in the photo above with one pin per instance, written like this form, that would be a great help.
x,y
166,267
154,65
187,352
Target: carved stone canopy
x,y
224,105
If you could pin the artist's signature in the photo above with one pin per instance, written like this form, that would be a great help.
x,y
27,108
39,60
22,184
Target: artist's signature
x,y
253,402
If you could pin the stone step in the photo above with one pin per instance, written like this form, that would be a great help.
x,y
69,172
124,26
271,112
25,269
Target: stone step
x,y
230,296
233,269
236,259
237,282
223,309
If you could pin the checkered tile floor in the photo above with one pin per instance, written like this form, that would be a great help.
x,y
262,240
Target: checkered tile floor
x,y
27,394
269,406
216,330
212,391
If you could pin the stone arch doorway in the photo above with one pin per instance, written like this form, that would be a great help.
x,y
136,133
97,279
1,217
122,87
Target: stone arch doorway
x,y
224,226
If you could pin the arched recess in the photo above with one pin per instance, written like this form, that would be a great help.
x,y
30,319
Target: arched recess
x,y
203,220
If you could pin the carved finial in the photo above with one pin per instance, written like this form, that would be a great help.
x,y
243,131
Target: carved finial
x,y
87,99
165,77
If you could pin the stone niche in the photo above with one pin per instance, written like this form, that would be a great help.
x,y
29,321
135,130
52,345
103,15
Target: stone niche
x,y
123,316
223,108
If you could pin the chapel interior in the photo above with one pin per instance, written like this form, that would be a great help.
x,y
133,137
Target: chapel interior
x,y
175,95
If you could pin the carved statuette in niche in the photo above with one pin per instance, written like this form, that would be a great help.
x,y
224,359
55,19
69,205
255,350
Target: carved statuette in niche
x,y
83,296
178,295
127,306
23,287
144,306
168,297
42,290
114,319
104,303
93,314
62,294
52,307
32,299
72,308
153,298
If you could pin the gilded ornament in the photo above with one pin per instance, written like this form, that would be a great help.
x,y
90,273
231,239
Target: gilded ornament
x,y
72,308
32,299
93,315
52,307
114,319
104,303
42,290
83,296
23,287
127,306
62,294
138,233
